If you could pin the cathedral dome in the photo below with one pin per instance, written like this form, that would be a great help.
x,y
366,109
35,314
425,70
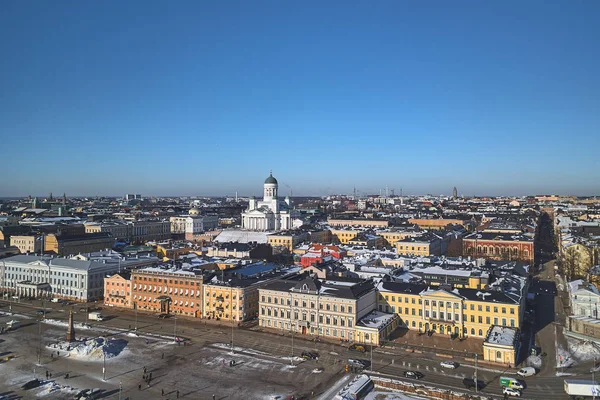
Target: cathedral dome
x,y
194,211
270,179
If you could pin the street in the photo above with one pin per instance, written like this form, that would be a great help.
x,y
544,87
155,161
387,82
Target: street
x,y
263,358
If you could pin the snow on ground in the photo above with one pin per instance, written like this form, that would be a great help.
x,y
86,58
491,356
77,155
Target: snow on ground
x,y
584,350
250,361
534,361
564,358
93,349
377,395
56,322
52,387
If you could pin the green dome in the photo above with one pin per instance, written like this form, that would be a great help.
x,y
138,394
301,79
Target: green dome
x,y
270,179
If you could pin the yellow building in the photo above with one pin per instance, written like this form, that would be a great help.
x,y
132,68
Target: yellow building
x,y
463,312
27,243
391,237
65,245
501,345
362,222
165,250
223,302
425,245
343,236
440,223
287,239
367,240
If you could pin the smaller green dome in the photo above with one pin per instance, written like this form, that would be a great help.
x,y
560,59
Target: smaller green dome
x,y
270,179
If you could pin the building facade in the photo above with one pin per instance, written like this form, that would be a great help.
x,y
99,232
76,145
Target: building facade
x,y
48,276
270,214
167,291
27,243
117,290
312,307
66,245
458,311
497,246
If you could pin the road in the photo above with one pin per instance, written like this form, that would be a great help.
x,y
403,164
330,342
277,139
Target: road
x,y
387,362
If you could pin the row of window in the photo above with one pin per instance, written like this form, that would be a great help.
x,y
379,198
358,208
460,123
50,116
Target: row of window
x,y
287,301
323,319
171,281
160,289
322,331
447,304
173,302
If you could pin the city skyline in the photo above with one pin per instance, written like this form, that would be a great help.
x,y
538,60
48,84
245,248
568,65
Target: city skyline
x,y
205,99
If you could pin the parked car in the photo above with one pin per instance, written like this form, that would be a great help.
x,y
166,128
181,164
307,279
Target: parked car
x,y
163,316
359,363
317,370
358,347
470,384
449,364
526,371
511,392
41,312
413,374
310,355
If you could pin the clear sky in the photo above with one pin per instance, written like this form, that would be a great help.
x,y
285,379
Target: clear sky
x,y
203,98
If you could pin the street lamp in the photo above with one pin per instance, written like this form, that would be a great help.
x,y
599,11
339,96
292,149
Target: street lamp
x,y
231,297
476,373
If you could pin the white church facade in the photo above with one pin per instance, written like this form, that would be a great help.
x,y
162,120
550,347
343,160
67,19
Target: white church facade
x,y
270,214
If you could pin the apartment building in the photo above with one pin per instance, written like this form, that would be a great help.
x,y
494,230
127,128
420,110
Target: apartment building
x,y
499,246
427,244
27,243
117,290
313,307
287,239
65,245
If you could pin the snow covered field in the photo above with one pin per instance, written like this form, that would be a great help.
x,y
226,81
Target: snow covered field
x,y
377,395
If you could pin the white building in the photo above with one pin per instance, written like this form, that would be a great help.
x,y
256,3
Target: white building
x,y
270,214
48,276
585,299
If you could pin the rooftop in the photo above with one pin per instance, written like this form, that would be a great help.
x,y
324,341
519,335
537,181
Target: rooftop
x,y
501,335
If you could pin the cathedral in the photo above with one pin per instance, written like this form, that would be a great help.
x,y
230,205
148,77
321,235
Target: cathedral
x,y
270,214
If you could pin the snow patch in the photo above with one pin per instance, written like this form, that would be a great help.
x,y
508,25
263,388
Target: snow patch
x,y
93,349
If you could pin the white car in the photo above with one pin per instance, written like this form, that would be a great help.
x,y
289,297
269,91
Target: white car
x,y
526,371
511,392
449,364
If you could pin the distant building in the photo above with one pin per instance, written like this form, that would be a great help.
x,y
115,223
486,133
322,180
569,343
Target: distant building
x,y
27,243
498,246
270,214
65,245
454,193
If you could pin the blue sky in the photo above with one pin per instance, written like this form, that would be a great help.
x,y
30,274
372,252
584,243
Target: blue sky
x,y
203,98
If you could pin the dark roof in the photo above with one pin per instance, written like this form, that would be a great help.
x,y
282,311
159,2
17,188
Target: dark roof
x,y
326,288
499,236
270,179
404,287
87,236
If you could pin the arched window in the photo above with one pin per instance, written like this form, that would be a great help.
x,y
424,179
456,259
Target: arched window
x,y
498,355
480,332
473,331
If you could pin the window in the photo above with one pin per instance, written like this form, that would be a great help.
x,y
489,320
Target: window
x,y
434,303
328,307
487,308
320,319
479,308
480,332
393,298
433,314
512,310
342,308
480,318
512,322
503,321
472,331
487,320
503,310
426,313
426,302
472,307
498,355
263,298
349,309
495,309
441,315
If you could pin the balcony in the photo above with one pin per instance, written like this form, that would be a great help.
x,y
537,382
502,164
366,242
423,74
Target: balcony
x,y
220,298
441,321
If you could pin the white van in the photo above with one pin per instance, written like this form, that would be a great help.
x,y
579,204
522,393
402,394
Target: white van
x,y
55,300
526,371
